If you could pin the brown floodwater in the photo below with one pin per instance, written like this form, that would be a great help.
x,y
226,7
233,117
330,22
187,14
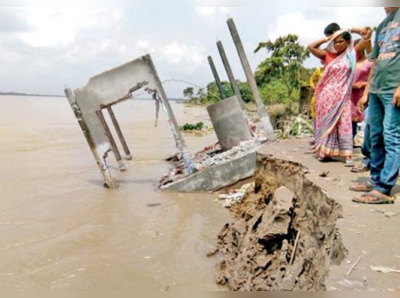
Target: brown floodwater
x,y
60,229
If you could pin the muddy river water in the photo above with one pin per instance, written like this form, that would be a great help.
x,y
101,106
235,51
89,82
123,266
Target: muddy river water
x,y
61,230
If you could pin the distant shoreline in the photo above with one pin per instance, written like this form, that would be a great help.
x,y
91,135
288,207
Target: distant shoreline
x,y
179,100
31,95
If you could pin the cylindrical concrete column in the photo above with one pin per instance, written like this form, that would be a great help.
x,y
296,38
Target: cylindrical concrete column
x,y
229,123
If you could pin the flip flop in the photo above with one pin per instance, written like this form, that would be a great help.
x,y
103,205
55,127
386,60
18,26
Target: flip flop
x,y
368,187
379,200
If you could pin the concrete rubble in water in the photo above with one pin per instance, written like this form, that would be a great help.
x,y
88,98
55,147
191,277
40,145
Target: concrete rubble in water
x,y
234,196
284,236
211,157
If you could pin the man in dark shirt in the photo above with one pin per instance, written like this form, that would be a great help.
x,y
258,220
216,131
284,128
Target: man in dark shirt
x,y
383,94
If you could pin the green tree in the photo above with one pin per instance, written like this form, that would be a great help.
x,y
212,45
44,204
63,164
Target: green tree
x,y
188,92
213,91
274,93
245,91
285,63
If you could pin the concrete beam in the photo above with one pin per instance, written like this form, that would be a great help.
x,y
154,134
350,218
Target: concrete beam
x,y
128,155
111,140
229,72
216,77
265,120
180,141
110,182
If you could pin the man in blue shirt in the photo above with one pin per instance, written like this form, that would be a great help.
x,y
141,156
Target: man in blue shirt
x,y
383,94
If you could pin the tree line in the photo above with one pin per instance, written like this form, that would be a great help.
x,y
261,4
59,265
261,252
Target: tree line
x,y
279,77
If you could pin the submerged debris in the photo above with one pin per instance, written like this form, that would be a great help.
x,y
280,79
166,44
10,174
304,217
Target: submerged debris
x,y
235,196
264,250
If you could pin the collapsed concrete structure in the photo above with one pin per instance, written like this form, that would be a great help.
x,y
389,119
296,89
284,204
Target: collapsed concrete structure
x,y
284,236
108,89
233,129
228,117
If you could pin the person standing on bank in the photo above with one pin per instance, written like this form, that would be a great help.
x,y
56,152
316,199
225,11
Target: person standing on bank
x,y
383,94
333,134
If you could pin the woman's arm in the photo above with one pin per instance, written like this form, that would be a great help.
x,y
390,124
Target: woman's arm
x,y
316,51
365,43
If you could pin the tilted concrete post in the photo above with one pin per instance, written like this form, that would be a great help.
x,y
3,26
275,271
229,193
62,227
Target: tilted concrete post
x,y
111,140
229,72
128,155
216,77
265,120
180,141
100,160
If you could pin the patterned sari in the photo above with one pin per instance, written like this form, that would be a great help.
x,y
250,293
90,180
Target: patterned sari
x,y
334,136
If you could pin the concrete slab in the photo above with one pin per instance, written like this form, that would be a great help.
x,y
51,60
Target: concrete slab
x,y
216,177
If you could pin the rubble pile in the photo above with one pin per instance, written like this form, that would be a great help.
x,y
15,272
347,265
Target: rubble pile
x,y
284,237
234,196
210,156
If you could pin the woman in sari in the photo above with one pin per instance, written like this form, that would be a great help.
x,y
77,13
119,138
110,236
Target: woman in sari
x,y
334,134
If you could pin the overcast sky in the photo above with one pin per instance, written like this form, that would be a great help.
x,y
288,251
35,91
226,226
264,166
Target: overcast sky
x,y
43,49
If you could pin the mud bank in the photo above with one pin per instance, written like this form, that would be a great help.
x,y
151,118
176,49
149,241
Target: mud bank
x,y
284,237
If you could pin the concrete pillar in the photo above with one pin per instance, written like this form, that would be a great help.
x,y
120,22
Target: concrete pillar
x,y
216,77
110,138
110,182
128,155
265,120
180,141
229,72
229,123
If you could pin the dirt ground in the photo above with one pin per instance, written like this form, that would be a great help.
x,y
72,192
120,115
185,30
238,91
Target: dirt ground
x,y
367,232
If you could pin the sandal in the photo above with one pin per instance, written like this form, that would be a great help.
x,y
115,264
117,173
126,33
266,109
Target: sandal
x,y
378,200
362,187
361,168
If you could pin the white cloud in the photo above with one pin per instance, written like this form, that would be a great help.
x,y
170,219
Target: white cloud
x,y
211,11
144,44
52,27
311,28
297,23
183,54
